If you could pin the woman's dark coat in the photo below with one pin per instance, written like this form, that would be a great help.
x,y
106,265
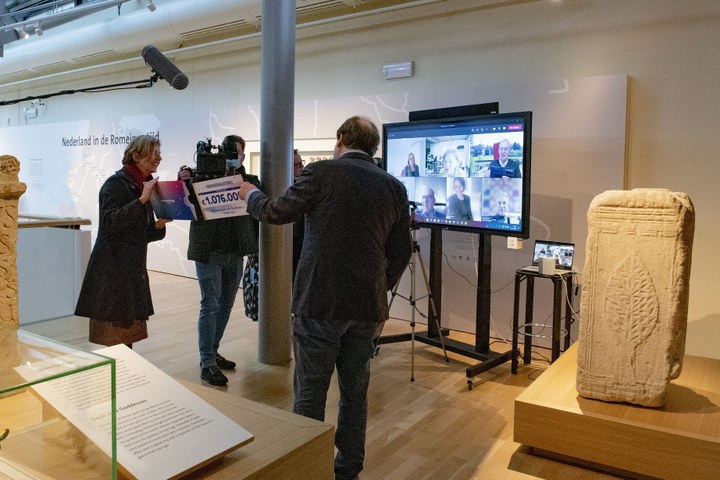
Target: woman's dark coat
x,y
116,286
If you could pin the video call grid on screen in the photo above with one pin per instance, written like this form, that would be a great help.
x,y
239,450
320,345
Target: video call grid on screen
x,y
462,156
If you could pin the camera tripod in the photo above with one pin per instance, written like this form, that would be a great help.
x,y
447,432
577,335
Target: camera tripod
x,y
415,260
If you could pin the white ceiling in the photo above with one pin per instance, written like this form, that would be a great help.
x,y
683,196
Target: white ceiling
x,y
118,34
21,19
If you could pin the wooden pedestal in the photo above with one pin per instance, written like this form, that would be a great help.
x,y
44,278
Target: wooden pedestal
x,y
678,441
285,446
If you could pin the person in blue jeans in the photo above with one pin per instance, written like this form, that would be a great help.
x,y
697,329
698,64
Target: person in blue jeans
x,y
356,245
218,247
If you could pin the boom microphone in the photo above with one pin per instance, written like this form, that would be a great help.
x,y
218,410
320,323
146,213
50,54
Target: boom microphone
x,y
164,67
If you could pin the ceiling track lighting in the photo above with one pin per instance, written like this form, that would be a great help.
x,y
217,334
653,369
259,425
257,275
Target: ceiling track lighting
x,y
22,34
25,27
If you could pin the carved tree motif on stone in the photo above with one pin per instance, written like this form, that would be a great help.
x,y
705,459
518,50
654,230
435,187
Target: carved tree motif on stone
x,y
631,303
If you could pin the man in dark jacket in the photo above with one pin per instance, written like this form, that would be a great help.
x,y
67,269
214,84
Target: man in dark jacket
x,y
299,224
218,247
356,246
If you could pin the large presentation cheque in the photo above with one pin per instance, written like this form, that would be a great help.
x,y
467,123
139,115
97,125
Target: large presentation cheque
x,y
220,197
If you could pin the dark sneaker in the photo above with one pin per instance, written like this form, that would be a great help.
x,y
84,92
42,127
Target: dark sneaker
x,y
223,363
213,376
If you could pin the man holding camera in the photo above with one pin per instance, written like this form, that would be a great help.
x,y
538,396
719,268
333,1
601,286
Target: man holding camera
x,y
356,246
218,247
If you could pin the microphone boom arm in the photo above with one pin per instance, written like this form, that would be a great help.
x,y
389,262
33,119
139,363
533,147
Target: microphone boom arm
x,y
102,88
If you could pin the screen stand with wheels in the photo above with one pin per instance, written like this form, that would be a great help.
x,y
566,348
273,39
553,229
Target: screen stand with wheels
x,y
481,350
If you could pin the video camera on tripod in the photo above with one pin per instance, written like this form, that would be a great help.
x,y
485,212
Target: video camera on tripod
x,y
216,161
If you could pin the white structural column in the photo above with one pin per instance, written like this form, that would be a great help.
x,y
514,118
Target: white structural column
x,y
276,146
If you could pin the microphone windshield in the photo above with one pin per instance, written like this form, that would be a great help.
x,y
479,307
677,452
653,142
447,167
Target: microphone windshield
x,y
164,67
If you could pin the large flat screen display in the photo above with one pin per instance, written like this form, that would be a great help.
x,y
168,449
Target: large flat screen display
x,y
470,173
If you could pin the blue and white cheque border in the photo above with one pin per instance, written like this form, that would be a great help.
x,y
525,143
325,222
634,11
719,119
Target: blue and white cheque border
x,y
220,197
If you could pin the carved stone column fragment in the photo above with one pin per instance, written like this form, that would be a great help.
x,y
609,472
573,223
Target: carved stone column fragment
x,y
635,295
10,191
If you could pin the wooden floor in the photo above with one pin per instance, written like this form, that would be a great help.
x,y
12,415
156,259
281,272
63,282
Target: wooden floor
x,y
434,428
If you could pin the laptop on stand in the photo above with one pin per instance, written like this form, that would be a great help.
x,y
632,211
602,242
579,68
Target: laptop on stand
x,y
563,253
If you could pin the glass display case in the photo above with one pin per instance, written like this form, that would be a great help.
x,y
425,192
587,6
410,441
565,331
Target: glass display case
x,y
57,410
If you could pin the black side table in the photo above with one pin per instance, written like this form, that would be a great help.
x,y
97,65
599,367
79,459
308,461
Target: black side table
x,y
526,329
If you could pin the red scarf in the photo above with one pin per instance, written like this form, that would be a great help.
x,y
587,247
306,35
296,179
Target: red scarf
x,y
136,174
